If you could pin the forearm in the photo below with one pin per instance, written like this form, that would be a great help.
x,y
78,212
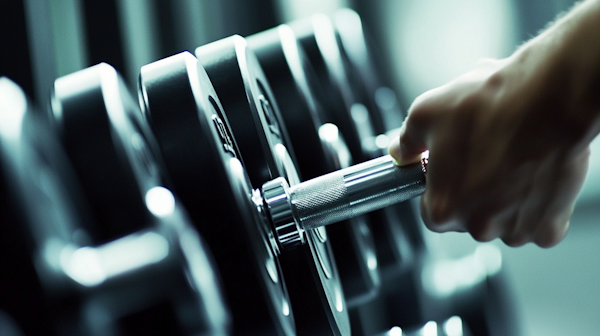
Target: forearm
x,y
570,52
509,141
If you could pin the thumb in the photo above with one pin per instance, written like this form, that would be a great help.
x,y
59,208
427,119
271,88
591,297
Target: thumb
x,y
409,146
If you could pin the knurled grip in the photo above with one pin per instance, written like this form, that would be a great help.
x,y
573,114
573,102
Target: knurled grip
x,y
320,200
338,196
355,190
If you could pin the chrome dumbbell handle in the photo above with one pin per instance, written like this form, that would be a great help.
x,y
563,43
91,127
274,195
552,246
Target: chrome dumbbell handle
x,y
339,195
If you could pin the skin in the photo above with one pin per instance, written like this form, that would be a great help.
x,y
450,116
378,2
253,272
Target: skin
x,y
509,141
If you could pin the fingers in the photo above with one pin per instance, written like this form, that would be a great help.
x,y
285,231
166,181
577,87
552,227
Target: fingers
x,y
411,143
554,221
545,213
477,181
421,132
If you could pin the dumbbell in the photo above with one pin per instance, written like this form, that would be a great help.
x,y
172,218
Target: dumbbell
x,y
320,149
202,159
140,267
229,51
310,212
255,119
35,202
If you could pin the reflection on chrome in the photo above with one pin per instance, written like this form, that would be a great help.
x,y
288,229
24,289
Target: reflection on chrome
x,y
91,266
445,277
329,132
364,126
453,326
371,260
160,201
271,268
12,111
286,307
339,303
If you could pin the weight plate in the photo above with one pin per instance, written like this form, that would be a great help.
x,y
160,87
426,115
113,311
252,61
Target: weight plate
x,y
200,155
146,269
100,128
157,281
35,203
293,83
310,270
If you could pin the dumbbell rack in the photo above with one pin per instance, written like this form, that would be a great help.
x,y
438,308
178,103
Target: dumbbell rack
x,y
149,215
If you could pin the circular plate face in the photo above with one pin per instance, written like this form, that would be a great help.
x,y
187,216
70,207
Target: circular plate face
x,y
318,152
310,270
202,161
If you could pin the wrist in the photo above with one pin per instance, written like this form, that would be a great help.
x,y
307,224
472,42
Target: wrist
x,y
565,61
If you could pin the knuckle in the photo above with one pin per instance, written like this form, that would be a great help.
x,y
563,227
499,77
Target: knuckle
x,y
551,233
516,241
481,230
434,227
419,116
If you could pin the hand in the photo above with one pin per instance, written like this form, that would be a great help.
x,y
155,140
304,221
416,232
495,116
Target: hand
x,y
508,151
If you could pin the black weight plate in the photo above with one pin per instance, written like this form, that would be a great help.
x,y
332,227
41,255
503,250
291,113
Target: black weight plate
x,y
292,80
200,155
158,281
36,202
100,128
147,271
310,270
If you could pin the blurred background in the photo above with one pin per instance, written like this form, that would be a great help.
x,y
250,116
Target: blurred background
x,y
420,43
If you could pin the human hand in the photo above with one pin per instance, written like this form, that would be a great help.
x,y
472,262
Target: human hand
x,y
508,153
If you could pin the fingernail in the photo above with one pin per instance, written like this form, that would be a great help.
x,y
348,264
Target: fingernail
x,y
395,150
